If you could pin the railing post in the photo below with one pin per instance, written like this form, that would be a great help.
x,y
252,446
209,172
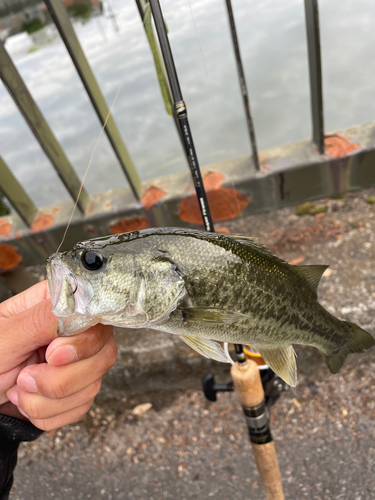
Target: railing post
x,y
15,193
241,76
37,123
63,24
315,70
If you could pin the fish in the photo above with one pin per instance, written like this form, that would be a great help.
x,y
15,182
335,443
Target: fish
x,y
207,288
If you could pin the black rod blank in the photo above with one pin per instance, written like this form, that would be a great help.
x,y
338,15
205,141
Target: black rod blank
x,y
241,76
181,114
315,70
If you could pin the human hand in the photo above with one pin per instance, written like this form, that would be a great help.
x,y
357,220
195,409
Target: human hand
x,y
51,381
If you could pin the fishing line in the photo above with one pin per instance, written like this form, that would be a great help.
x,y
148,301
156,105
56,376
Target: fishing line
x,y
109,114
89,165
92,156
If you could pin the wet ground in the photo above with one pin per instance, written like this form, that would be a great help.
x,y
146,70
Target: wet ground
x,y
186,447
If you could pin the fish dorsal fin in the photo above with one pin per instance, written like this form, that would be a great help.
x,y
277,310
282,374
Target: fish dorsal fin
x,y
207,348
252,243
210,315
312,274
282,360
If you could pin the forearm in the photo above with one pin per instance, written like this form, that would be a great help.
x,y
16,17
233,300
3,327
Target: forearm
x,y
12,432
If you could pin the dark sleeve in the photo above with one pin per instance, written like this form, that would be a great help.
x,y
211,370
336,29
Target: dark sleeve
x,y
12,432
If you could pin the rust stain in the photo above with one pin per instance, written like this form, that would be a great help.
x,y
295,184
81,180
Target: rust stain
x,y
222,229
90,229
225,203
337,146
5,227
42,222
56,210
127,225
213,180
151,196
9,257
298,260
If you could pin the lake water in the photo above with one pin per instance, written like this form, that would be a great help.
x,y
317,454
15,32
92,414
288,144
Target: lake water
x,y
273,45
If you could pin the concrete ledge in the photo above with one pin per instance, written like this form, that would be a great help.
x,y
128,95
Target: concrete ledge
x,y
290,174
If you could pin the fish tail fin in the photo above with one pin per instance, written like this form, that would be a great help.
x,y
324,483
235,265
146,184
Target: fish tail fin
x,y
358,340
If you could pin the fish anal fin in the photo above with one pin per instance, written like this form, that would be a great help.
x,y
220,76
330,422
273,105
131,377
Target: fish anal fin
x,y
282,360
207,348
210,315
312,274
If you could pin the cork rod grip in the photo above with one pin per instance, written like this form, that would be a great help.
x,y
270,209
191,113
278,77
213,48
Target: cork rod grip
x,y
248,383
268,467
250,392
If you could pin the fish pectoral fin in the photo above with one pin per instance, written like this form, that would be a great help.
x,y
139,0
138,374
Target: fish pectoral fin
x,y
210,315
312,274
282,360
207,348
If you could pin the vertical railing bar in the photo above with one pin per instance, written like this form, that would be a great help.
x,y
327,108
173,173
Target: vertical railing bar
x,y
141,8
181,114
69,37
15,193
315,70
40,128
243,86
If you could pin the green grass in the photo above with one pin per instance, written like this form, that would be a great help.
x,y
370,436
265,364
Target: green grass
x,y
32,26
81,10
4,210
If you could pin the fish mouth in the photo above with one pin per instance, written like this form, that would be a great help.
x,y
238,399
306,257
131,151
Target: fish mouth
x,y
70,293
63,284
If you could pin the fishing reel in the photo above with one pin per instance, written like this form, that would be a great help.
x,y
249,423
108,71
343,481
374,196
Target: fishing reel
x,y
272,384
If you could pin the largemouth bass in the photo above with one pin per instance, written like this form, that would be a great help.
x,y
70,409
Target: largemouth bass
x,y
206,288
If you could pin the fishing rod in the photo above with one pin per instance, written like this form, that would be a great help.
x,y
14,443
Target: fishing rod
x,y
245,374
243,86
180,111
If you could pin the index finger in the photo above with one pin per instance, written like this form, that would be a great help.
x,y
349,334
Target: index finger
x,y
25,300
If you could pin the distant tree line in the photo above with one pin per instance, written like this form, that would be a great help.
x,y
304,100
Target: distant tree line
x,y
13,6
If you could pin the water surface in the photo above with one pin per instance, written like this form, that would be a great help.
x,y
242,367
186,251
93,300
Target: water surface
x,y
273,45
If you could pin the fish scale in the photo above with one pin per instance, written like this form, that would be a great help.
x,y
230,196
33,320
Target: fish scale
x,y
205,288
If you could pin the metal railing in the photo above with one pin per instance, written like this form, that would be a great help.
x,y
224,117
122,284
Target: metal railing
x,y
315,70
271,192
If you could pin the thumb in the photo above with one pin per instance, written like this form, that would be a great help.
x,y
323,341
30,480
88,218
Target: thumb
x,y
22,334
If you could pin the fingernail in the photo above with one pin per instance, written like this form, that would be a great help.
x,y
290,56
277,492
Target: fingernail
x,y
26,382
12,395
23,413
63,355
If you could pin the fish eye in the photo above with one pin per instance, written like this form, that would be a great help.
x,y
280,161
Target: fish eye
x,y
92,260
